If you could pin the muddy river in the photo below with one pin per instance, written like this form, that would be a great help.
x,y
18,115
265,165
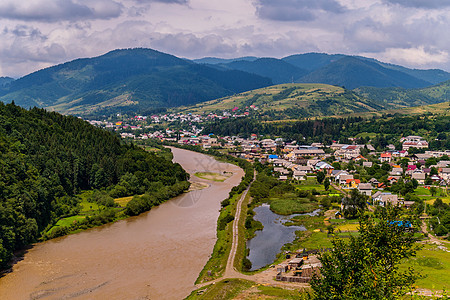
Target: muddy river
x,y
157,255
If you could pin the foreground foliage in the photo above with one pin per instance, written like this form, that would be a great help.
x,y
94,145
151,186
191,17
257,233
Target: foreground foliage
x,y
367,267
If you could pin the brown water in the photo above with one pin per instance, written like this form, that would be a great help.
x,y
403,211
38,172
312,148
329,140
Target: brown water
x,y
157,255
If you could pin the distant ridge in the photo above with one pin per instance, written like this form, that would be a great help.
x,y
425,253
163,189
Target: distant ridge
x,y
352,72
335,69
127,79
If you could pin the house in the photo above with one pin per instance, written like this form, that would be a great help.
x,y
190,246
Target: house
x,y
393,179
445,174
396,172
278,162
365,188
360,157
347,152
336,173
290,148
268,144
385,157
381,185
303,168
420,177
435,178
309,152
443,164
403,153
352,183
281,170
413,141
324,167
273,157
382,199
343,178
283,178
299,175
374,182
312,163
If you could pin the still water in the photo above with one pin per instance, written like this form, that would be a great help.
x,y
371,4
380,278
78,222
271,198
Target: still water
x,y
267,243
157,255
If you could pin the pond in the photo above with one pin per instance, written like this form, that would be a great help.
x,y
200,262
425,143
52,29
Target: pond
x,y
267,243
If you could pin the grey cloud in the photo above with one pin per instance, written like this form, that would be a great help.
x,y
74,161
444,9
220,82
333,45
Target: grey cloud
x,y
59,10
431,4
25,31
165,1
295,10
190,45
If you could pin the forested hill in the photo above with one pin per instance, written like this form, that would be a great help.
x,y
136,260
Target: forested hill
x,y
126,80
46,158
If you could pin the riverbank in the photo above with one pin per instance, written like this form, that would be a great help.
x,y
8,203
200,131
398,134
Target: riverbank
x,y
126,259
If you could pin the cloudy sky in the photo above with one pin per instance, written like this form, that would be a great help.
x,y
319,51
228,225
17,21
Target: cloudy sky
x,y
40,33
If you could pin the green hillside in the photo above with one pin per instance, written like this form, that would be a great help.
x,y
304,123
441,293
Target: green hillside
x,y
130,79
395,97
276,69
353,72
290,101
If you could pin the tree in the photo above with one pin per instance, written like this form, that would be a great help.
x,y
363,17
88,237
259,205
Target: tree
x,y
320,176
336,165
367,267
326,184
433,191
354,204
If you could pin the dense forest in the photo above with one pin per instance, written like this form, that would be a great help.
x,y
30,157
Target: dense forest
x,y
47,158
385,130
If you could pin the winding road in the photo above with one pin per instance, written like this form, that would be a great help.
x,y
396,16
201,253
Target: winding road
x,y
266,277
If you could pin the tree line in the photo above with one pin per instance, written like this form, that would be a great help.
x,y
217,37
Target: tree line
x,y
388,130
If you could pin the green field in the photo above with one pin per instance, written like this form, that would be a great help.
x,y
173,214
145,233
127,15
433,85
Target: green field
x,y
291,205
69,220
434,264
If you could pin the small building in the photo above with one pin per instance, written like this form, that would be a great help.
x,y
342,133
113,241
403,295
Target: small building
x,y
420,177
299,175
413,141
365,188
296,262
385,157
382,199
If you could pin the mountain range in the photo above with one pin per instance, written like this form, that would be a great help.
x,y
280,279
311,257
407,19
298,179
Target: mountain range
x,y
337,69
145,80
130,79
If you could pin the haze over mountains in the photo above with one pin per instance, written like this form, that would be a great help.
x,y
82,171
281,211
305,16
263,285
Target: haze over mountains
x,y
142,80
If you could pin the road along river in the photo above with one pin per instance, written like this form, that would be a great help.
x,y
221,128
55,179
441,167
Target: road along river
x,y
157,255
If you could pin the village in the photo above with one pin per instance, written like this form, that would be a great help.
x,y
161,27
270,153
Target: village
x,y
290,161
